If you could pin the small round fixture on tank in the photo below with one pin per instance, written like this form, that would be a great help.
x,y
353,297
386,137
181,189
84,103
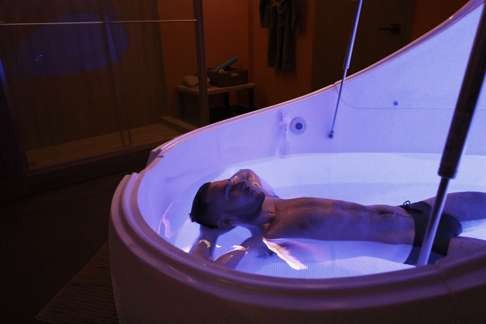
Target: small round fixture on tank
x,y
297,125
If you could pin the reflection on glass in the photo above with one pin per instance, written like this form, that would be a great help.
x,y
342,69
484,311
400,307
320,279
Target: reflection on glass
x,y
61,92
88,78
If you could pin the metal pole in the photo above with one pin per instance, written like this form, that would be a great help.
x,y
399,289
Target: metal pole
x,y
125,134
459,129
201,63
347,63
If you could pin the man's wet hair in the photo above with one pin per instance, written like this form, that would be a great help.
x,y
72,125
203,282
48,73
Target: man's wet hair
x,y
200,207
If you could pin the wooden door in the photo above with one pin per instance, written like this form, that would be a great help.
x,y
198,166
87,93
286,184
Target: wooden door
x,y
384,27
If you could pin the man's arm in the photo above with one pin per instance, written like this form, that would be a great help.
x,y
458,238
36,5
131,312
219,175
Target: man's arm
x,y
232,259
253,244
204,245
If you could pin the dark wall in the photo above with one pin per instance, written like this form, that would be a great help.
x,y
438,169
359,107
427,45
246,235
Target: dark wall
x,y
385,26
12,162
430,13
377,35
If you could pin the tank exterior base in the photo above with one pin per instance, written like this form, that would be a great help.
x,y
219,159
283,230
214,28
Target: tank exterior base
x,y
154,285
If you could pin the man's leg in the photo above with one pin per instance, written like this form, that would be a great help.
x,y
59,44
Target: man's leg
x,y
464,205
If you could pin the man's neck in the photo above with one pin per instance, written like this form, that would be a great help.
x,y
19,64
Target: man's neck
x,y
269,210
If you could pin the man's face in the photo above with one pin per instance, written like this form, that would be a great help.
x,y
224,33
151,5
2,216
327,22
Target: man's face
x,y
235,199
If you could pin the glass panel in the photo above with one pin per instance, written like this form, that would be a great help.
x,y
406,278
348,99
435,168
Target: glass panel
x,y
62,92
34,11
139,73
93,77
151,58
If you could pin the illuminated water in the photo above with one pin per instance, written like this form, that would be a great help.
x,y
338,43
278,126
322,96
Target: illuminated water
x,y
364,178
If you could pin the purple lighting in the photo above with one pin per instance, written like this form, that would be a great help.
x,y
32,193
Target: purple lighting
x,y
70,49
393,120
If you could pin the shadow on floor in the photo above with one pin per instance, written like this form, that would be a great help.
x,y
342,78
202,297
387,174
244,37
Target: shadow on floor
x,y
46,239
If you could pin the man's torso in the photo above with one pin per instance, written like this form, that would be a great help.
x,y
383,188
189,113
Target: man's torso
x,y
327,219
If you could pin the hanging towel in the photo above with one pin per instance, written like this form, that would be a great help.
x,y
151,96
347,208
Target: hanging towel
x,y
281,19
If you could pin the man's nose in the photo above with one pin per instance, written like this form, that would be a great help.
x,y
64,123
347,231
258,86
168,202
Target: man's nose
x,y
235,180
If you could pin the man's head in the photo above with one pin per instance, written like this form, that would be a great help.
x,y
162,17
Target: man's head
x,y
226,203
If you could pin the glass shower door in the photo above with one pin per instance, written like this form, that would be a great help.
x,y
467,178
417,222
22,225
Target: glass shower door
x,y
60,86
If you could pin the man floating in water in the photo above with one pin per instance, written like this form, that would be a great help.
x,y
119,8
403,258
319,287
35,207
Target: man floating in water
x,y
245,200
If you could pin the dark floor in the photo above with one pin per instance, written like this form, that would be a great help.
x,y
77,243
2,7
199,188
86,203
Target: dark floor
x,y
46,239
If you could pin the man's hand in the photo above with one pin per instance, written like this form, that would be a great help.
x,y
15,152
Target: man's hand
x,y
204,245
255,244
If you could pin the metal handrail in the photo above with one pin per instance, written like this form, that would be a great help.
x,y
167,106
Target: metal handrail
x,y
347,63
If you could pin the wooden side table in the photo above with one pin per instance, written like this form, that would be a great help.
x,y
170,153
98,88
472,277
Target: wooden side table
x,y
184,91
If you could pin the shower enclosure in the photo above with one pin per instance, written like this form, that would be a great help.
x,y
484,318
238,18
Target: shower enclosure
x,y
83,80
